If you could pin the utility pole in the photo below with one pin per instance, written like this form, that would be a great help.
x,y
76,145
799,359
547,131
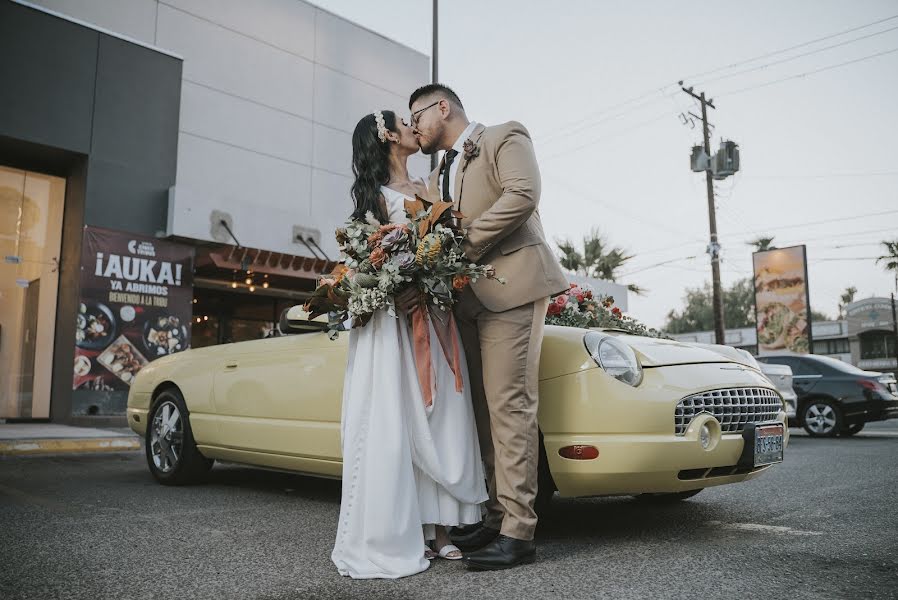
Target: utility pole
x,y
434,61
714,246
895,326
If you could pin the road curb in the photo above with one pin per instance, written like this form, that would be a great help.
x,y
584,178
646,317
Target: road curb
x,y
67,446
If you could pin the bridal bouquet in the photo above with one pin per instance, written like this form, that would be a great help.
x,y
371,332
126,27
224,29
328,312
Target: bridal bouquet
x,y
380,261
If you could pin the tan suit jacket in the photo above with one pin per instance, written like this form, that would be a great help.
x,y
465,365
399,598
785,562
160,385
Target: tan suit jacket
x,y
498,191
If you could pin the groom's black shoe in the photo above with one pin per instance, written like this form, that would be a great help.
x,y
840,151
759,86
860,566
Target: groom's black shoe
x,y
503,553
470,538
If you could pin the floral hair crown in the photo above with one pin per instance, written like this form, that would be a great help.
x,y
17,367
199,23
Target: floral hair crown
x,y
381,126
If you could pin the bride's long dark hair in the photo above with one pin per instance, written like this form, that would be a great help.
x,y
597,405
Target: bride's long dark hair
x,y
371,166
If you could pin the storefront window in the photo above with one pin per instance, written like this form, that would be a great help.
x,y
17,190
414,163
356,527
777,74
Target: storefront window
x,y
222,317
836,346
31,207
877,344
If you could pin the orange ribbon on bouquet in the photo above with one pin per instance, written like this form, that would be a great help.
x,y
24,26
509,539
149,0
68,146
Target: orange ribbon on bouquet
x,y
447,334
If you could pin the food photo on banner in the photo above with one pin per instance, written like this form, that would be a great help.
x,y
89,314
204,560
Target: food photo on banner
x,y
782,301
136,303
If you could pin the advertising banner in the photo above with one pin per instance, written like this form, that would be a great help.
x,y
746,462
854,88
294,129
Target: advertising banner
x,y
782,301
135,306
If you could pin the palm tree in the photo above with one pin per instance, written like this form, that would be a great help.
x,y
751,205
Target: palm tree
x,y
846,298
762,243
890,259
597,259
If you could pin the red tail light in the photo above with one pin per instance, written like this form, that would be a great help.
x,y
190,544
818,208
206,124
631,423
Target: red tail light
x,y
579,452
871,385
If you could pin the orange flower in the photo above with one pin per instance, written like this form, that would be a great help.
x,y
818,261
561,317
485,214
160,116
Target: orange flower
x,y
460,281
340,272
377,257
374,238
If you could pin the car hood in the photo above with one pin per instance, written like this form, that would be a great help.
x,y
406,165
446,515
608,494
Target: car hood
x,y
654,352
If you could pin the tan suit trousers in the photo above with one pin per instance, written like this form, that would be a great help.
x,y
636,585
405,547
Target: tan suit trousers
x,y
503,350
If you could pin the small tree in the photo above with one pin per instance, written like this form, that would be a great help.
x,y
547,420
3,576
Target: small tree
x,y
890,259
597,259
762,243
845,299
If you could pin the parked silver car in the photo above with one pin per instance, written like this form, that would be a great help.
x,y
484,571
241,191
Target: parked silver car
x,y
781,377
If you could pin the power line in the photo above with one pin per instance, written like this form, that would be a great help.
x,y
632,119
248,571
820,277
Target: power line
x,y
824,175
582,126
613,209
615,134
807,73
790,48
821,222
797,56
659,264
607,109
661,89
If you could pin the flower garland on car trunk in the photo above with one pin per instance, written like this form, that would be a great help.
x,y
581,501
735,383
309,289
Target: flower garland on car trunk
x,y
579,306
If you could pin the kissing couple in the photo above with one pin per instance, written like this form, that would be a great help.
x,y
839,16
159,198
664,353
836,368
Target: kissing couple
x,y
467,458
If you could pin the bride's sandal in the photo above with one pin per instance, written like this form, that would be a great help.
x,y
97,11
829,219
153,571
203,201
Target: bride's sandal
x,y
450,552
429,554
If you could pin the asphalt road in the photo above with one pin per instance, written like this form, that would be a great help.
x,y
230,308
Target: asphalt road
x,y
821,525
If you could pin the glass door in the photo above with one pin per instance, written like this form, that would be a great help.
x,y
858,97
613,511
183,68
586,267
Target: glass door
x,y
30,235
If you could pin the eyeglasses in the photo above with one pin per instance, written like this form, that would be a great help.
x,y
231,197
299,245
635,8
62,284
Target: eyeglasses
x,y
414,116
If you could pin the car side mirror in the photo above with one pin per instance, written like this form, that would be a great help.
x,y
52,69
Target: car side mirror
x,y
296,320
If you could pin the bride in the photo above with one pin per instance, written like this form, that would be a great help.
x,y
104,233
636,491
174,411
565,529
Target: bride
x,y
409,471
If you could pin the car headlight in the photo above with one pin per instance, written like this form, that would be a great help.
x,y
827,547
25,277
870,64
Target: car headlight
x,y
614,357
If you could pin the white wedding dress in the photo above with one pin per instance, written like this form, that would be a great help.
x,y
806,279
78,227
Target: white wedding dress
x,y
404,465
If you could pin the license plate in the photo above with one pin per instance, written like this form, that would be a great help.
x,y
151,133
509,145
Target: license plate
x,y
768,444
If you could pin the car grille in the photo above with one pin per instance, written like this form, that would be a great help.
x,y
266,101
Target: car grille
x,y
734,408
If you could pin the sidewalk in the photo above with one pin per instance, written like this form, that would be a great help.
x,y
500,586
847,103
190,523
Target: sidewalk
x,y
17,439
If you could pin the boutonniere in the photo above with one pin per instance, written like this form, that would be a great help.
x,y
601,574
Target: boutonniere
x,y
471,151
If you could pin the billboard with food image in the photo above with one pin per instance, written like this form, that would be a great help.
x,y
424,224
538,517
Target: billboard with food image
x,y
135,306
782,303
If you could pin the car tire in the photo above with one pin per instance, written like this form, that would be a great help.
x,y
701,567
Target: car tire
x,y
850,430
667,497
171,451
821,418
545,483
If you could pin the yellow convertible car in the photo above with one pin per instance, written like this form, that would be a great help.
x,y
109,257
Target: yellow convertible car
x,y
619,414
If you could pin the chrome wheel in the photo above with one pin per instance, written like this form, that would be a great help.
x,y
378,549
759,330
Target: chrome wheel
x,y
167,437
820,419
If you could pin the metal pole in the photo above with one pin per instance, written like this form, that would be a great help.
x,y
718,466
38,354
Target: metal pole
x,y
434,62
714,247
895,331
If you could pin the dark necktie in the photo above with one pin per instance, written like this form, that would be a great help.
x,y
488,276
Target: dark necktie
x,y
447,164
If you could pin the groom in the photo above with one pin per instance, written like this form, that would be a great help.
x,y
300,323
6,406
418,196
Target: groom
x,y
491,175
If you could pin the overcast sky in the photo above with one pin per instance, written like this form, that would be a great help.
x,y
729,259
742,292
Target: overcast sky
x,y
817,150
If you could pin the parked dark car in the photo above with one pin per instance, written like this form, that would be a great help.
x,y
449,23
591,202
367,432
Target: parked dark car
x,y
836,398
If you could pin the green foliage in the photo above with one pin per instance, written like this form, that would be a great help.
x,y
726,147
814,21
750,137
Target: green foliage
x,y
698,313
762,243
596,259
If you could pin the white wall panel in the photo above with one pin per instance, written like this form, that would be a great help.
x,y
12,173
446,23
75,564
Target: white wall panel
x,y
262,189
340,100
287,24
333,150
234,63
330,207
134,18
365,55
223,117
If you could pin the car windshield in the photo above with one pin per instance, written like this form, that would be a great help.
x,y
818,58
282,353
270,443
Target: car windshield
x,y
839,365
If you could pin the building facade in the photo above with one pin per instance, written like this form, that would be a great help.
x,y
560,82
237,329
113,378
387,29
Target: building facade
x,y
865,338
220,126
